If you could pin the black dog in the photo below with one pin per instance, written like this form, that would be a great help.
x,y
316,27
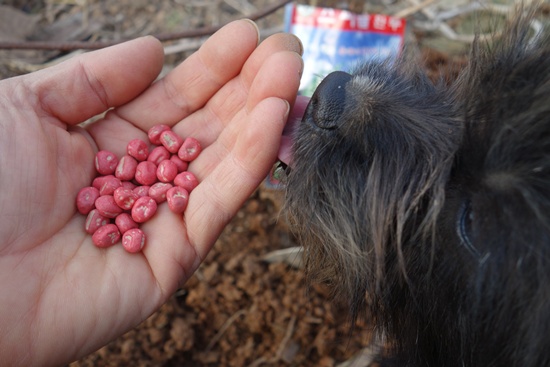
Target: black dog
x,y
429,206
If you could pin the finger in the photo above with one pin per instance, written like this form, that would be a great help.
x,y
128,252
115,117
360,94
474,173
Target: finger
x,y
113,132
275,43
218,197
207,123
279,77
193,82
89,84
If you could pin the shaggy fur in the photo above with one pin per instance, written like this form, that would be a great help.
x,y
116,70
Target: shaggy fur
x,y
429,206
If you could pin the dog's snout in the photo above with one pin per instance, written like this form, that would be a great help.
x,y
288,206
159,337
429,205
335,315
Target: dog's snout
x,y
328,102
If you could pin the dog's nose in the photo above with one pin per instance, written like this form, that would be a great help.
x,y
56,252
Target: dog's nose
x,y
327,103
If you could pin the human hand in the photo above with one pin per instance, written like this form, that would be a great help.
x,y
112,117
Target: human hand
x,y
61,297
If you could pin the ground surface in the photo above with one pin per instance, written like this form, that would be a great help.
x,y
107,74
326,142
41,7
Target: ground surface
x,y
241,311
238,310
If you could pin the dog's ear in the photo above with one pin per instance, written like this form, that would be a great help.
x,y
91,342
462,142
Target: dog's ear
x,y
503,164
506,112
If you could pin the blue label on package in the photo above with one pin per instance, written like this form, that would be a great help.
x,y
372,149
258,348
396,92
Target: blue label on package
x,y
336,39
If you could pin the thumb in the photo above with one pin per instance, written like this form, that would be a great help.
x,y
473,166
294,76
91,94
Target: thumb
x,y
89,84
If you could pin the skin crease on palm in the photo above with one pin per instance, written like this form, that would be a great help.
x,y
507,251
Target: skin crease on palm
x,y
61,297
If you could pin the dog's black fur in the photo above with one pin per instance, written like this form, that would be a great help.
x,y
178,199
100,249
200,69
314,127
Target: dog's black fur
x,y
429,206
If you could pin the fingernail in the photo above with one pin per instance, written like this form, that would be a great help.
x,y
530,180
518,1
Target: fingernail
x,y
256,28
301,60
300,44
287,107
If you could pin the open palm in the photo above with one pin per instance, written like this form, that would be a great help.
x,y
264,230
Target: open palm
x,y
60,296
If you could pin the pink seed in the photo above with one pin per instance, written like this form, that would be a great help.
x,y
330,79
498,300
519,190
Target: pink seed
x,y
116,189
128,185
94,220
171,141
167,171
158,155
125,222
106,235
190,149
126,168
154,133
158,191
146,173
187,180
107,206
85,199
177,198
144,208
107,184
105,162
99,181
133,240
125,198
138,149
142,191
182,165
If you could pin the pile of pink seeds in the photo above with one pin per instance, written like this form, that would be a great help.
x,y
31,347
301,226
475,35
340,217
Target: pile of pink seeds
x,y
128,190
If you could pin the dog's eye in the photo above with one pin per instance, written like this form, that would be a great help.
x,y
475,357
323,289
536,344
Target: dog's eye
x,y
464,227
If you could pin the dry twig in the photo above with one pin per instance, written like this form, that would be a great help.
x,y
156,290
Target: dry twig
x,y
280,349
76,45
223,329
